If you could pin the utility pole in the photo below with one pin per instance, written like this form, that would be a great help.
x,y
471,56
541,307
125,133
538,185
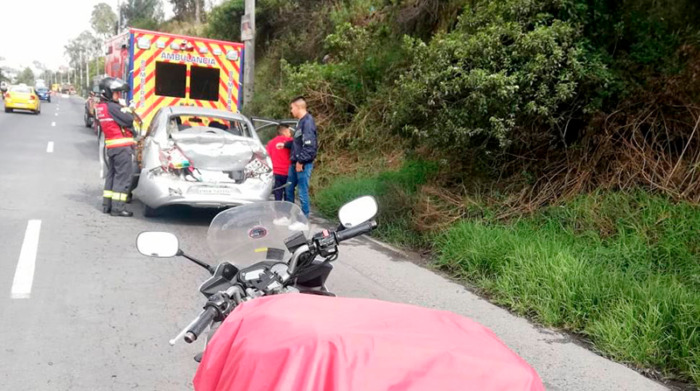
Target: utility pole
x,y
197,13
119,18
80,73
248,36
87,75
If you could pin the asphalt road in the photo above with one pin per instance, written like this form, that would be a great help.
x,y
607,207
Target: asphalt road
x,y
90,313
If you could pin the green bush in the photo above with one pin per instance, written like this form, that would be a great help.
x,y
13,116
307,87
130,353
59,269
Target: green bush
x,y
506,65
621,269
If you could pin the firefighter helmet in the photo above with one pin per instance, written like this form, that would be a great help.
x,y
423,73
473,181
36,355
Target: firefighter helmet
x,y
110,85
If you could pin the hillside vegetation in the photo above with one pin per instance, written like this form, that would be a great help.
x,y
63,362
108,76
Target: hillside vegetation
x,y
547,151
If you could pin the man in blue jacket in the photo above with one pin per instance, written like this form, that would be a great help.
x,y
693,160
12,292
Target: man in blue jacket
x,y
304,148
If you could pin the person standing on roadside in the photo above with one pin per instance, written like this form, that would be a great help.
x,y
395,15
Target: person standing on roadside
x,y
116,123
280,160
304,147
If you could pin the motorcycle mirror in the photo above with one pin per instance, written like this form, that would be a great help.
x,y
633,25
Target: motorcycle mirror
x,y
158,244
357,211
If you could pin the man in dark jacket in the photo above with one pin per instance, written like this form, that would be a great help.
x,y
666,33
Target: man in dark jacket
x,y
304,148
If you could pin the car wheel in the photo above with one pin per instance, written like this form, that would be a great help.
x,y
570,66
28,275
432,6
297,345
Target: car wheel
x,y
150,212
37,112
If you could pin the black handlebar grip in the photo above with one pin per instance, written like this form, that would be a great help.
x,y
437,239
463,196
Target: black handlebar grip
x,y
361,229
203,321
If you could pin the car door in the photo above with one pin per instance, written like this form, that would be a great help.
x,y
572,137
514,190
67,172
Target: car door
x,y
266,129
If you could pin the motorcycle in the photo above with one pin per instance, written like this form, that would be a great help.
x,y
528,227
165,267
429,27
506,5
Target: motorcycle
x,y
274,325
252,235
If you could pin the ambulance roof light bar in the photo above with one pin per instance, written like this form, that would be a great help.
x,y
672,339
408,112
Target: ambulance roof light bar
x,y
144,43
182,45
232,55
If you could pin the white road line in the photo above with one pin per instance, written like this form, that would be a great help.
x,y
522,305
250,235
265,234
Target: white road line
x,y
24,274
49,147
53,123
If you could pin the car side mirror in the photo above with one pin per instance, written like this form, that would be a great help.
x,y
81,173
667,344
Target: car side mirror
x,y
158,244
357,211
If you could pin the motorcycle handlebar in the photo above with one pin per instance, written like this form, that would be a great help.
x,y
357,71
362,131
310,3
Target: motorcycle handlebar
x,y
204,319
361,229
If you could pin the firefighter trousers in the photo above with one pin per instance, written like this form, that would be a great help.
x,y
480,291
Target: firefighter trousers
x,y
118,179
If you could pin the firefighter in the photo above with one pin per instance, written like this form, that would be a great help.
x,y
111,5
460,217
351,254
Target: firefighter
x,y
117,125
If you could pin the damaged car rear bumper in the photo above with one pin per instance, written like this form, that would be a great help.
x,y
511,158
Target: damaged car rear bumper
x,y
163,189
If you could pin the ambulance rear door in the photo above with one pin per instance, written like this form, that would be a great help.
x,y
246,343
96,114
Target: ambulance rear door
x,y
171,70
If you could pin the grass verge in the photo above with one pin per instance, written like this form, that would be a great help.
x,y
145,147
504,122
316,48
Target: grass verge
x,y
621,269
395,192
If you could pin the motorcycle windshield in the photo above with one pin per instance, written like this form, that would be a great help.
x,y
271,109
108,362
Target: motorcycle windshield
x,y
251,233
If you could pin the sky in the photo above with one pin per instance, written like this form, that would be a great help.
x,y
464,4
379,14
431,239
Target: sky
x,y
39,29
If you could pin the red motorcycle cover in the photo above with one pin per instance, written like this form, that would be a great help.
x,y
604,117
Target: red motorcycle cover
x,y
295,342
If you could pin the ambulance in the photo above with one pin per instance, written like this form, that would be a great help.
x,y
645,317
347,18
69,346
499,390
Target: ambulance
x,y
169,70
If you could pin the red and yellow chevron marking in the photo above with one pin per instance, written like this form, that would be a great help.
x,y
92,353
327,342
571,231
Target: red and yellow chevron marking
x,y
144,70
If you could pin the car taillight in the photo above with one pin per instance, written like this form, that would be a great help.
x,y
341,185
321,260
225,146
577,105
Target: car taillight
x,y
32,97
175,159
258,166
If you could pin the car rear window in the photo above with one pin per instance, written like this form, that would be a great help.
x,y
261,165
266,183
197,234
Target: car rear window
x,y
22,90
186,121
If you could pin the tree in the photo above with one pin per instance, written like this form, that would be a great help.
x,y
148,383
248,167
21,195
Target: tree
x,y
39,65
2,76
26,77
188,9
146,14
224,21
84,46
103,19
81,50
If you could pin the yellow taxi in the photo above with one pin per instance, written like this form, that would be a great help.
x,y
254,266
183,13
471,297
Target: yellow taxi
x,y
22,97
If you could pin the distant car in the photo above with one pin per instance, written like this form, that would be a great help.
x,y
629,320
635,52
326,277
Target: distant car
x,y
22,97
43,93
202,158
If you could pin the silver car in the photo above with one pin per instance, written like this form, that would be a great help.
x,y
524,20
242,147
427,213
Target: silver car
x,y
203,158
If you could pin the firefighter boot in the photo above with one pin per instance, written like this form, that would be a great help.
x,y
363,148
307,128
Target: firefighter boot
x,y
119,207
107,201
119,210
122,213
